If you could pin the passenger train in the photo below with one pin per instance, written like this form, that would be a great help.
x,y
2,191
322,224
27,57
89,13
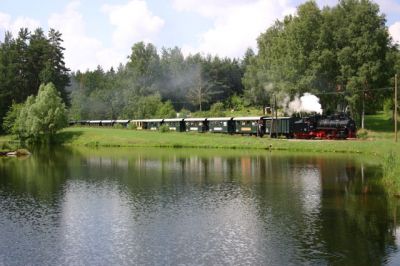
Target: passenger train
x,y
338,126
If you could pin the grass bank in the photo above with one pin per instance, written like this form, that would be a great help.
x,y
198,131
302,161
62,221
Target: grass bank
x,y
108,137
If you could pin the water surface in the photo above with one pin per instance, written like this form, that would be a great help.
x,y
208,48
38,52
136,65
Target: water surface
x,y
193,207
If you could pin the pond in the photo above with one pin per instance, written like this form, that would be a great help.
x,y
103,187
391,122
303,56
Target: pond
x,y
81,206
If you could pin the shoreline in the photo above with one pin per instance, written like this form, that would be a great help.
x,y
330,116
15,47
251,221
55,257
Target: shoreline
x,y
111,137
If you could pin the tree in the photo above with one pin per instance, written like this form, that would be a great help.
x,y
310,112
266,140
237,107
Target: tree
x,y
341,53
200,91
42,116
144,65
166,110
26,62
362,52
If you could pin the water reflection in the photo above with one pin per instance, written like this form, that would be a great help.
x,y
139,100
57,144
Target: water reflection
x,y
156,206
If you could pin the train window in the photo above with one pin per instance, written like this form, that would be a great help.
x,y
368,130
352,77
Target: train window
x,y
225,124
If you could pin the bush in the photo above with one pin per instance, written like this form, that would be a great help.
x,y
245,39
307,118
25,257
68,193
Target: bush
x,y
9,124
184,113
217,109
164,128
132,126
388,107
118,126
362,133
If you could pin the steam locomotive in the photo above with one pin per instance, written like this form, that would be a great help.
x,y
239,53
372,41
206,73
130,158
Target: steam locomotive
x,y
339,126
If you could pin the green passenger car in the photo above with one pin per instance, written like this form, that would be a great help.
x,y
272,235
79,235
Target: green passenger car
x,y
281,126
153,124
175,124
196,124
249,125
221,125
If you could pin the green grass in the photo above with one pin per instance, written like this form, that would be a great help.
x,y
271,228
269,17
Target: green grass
x,y
391,174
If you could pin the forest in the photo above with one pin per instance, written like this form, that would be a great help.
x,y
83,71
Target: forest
x,y
343,54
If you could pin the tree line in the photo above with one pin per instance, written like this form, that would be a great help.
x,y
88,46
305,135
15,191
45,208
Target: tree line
x,y
152,84
343,54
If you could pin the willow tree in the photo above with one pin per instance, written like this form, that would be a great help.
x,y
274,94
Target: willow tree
x,y
41,117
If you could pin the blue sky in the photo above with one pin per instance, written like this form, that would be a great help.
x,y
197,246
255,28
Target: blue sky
x,y
102,32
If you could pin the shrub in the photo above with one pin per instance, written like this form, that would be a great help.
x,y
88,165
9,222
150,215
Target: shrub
x,y
388,107
132,126
362,133
9,124
164,128
118,126
217,109
184,113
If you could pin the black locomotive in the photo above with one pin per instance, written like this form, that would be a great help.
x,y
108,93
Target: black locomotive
x,y
338,126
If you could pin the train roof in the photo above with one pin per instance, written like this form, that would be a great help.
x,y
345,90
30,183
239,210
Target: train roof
x,y
279,117
219,118
122,121
195,119
107,121
173,120
152,120
248,118
94,121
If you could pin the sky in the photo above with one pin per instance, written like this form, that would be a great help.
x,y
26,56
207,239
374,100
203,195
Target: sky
x,y
102,32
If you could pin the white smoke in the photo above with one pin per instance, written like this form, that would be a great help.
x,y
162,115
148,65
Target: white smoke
x,y
308,103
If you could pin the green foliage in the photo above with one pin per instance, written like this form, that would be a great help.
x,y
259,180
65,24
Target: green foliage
x,y
166,110
163,128
184,113
118,126
42,116
217,109
236,103
391,173
362,133
135,90
9,124
388,107
132,126
340,49
27,61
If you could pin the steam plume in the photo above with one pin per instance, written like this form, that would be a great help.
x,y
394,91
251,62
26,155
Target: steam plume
x,y
308,103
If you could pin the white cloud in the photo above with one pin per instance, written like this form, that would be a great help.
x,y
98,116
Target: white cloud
x,y
133,22
394,31
8,24
237,24
81,51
